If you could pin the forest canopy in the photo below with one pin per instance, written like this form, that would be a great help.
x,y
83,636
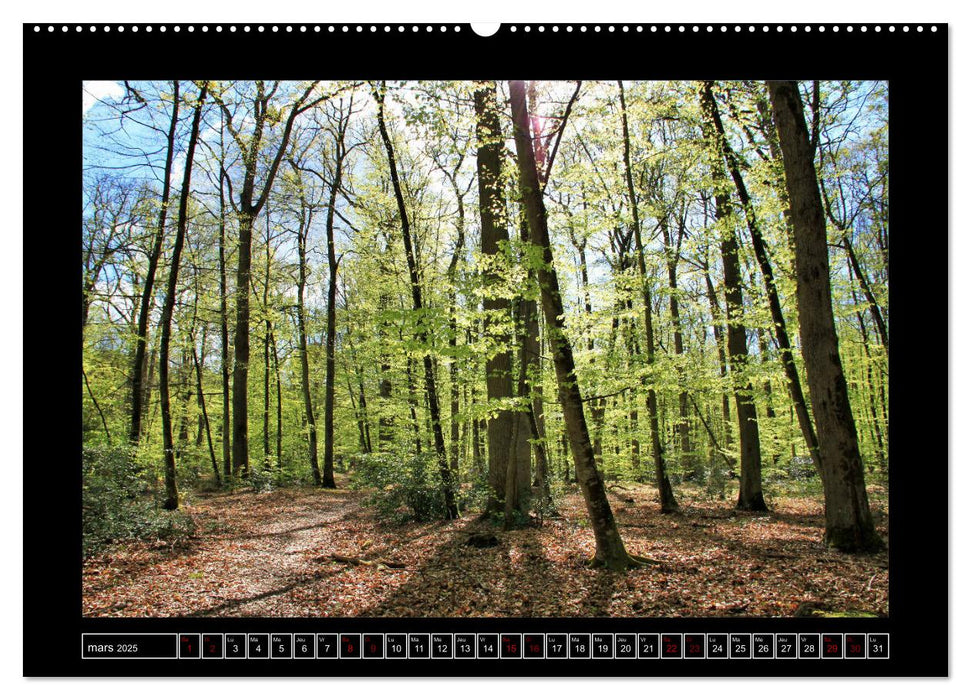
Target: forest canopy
x,y
470,297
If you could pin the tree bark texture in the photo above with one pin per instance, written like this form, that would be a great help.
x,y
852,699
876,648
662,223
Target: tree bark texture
x,y
849,524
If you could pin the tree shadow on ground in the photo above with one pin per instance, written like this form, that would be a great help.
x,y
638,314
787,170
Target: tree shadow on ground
x,y
511,579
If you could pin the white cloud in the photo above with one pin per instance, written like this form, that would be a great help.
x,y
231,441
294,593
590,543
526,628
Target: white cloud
x,y
95,90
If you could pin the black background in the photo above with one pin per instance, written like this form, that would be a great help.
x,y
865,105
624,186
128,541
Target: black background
x,y
914,63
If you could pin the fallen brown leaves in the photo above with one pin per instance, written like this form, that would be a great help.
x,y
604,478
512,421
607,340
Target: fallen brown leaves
x,y
319,553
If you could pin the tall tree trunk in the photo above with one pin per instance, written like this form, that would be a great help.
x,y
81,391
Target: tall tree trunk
x,y
871,389
718,333
331,338
447,478
138,400
362,403
672,255
453,369
413,404
205,414
665,493
224,330
250,206
241,349
849,524
185,380
494,236
279,401
610,552
308,404
267,334
171,488
750,478
768,278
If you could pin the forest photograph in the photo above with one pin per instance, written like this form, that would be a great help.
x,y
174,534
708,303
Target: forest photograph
x,y
515,349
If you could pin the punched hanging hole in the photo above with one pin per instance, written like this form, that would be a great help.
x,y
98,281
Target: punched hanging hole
x,y
486,28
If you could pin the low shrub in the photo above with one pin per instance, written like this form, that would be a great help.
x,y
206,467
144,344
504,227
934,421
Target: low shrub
x,y
406,489
118,502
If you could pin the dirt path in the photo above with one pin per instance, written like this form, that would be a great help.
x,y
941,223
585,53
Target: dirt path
x,y
272,555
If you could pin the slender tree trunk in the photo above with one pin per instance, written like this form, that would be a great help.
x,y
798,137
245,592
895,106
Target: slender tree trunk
x,y
241,349
722,361
185,380
453,369
249,208
413,404
331,337
97,406
665,493
267,333
303,232
205,415
610,551
171,488
768,278
224,332
138,399
750,478
448,479
871,388
362,402
279,401
849,524
672,255
857,269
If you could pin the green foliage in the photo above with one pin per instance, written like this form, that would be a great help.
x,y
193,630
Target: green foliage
x,y
264,480
118,502
406,489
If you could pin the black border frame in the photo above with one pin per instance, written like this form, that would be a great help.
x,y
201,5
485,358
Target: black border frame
x,y
913,58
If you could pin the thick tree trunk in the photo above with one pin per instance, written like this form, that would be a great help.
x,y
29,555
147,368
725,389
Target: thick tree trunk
x,y
448,479
171,488
498,314
669,503
138,400
611,552
849,524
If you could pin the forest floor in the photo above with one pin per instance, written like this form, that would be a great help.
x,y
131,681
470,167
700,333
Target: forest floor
x,y
273,554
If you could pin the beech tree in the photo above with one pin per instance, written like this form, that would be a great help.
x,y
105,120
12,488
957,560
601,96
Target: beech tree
x,y
849,524
171,489
750,482
138,398
431,389
250,202
611,552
